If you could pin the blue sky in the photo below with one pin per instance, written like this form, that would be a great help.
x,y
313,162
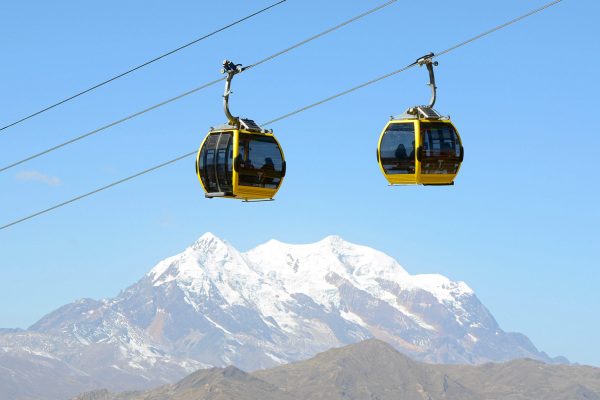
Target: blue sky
x,y
520,226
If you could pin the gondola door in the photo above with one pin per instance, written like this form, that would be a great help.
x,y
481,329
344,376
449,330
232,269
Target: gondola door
x,y
396,153
216,164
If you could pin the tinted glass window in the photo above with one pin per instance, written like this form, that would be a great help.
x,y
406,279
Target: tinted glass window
x,y
261,161
397,150
216,162
441,148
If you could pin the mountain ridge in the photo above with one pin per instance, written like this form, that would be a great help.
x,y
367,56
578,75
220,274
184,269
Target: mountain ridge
x,y
212,305
372,369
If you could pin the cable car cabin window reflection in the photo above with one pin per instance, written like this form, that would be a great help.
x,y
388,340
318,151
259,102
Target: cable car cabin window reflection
x,y
216,162
261,161
441,149
398,149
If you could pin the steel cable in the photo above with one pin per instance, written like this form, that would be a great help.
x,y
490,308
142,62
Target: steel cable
x,y
282,117
204,86
141,66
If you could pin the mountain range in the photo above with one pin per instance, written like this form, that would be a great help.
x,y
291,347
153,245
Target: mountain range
x,y
374,370
213,306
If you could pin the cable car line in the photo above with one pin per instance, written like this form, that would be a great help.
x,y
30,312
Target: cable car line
x,y
434,55
325,32
98,190
335,96
199,88
166,163
142,65
110,125
497,28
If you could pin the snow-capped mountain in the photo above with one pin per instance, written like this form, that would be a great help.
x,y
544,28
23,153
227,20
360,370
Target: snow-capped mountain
x,y
213,306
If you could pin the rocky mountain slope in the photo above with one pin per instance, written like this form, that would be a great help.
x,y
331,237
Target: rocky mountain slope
x,y
214,306
374,370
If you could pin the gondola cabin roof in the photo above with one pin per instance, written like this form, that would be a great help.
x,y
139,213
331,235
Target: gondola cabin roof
x,y
245,125
421,113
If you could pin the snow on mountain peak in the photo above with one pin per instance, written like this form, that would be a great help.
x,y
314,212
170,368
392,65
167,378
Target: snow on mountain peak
x,y
311,269
210,263
209,242
333,240
281,302
296,268
328,254
206,244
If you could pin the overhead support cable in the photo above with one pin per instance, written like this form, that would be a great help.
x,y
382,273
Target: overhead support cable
x,y
110,125
192,91
497,28
144,172
335,96
174,160
114,78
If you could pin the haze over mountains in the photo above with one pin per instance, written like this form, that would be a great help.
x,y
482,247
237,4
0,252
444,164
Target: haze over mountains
x,y
374,370
214,306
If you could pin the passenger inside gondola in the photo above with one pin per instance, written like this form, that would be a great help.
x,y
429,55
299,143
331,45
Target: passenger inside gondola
x,y
398,149
266,171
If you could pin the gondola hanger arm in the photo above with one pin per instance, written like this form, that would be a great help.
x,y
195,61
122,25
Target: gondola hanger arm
x,y
231,69
427,60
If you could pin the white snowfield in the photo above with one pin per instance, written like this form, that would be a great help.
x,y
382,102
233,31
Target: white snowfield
x,y
266,276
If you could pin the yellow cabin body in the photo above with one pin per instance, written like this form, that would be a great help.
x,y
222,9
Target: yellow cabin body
x,y
416,151
240,164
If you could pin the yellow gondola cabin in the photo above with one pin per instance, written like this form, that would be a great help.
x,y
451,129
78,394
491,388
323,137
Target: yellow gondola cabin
x,y
240,160
420,147
420,151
